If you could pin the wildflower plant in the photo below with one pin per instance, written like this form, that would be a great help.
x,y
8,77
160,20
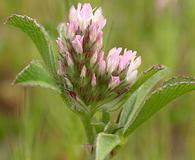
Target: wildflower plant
x,y
92,83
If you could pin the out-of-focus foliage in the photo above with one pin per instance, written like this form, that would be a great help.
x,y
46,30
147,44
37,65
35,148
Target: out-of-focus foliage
x,y
35,124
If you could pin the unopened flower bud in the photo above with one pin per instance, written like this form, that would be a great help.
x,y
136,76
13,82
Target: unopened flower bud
x,y
98,45
132,70
60,68
61,30
99,19
125,59
68,83
134,64
60,45
101,63
83,72
73,14
70,30
77,44
86,13
131,76
102,67
113,59
115,81
93,33
68,59
93,80
93,59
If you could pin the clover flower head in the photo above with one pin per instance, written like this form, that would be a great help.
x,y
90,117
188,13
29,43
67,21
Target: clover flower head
x,y
83,65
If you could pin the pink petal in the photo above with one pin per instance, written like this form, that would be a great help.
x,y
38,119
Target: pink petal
x,y
87,11
99,19
102,66
125,59
77,44
113,59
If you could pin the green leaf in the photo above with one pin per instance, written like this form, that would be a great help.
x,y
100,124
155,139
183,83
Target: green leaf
x,y
105,144
39,36
113,104
143,87
162,96
35,75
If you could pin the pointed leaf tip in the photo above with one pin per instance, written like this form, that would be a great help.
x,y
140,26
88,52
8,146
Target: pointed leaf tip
x,y
38,35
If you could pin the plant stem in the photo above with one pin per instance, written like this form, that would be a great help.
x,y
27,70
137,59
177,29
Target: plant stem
x,y
90,133
89,129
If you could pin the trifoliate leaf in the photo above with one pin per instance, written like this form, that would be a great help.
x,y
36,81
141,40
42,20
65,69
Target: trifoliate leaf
x,y
132,106
159,98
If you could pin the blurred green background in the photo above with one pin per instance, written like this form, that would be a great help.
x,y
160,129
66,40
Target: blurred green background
x,y
35,124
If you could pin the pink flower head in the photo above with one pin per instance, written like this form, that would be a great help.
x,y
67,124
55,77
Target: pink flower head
x,y
77,44
80,45
114,82
93,80
113,59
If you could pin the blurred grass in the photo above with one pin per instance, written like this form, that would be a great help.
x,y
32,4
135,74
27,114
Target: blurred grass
x,y
35,124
